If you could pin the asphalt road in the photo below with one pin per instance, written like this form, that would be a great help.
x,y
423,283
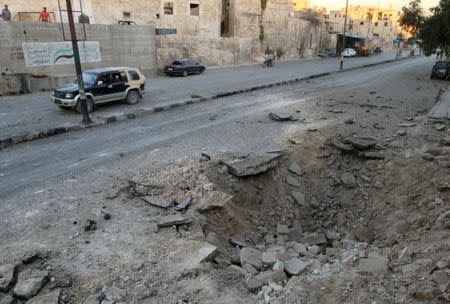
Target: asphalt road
x,y
91,158
34,112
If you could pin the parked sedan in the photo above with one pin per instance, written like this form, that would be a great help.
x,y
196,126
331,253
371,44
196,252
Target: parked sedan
x,y
441,70
349,52
184,67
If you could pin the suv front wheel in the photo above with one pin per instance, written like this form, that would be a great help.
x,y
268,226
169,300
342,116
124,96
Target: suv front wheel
x,y
133,97
89,105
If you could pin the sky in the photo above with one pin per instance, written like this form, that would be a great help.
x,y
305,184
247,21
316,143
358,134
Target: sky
x,y
396,4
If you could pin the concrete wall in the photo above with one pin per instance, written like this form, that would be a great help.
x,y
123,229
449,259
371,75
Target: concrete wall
x,y
119,45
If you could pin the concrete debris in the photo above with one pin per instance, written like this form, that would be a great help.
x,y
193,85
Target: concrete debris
x,y
8,276
213,200
280,116
174,219
251,164
375,264
7,299
30,282
272,276
292,181
346,148
361,143
295,266
184,204
296,169
269,258
239,243
282,229
253,284
299,198
49,298
138,266
315,239
371,155
158,201
406,125
348,179
423,291
252,257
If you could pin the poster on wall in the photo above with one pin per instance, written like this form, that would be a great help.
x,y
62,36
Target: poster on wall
x,y
56,53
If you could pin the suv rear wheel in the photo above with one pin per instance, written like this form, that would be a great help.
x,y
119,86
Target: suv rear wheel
x,y
89,105
133,97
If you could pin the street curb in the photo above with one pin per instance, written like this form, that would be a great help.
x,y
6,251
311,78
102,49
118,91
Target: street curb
x,y
17,138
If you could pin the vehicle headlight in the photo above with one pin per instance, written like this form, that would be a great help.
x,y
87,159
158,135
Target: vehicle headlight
x,y
69,96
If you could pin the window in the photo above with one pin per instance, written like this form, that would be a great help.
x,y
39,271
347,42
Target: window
x,y
168,8
126,14
385,24
376,23
194,8
134,75
361,23
118,77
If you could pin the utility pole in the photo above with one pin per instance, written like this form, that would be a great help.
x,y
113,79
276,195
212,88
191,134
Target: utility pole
x,y
76,56
341,66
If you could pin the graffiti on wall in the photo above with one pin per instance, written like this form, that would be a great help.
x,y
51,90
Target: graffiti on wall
x,y
56,53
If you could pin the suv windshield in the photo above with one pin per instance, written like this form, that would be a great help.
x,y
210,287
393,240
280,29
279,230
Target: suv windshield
x,y
89,78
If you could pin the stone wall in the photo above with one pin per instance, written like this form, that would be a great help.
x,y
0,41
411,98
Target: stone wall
x,y
153,13
208,51
119,45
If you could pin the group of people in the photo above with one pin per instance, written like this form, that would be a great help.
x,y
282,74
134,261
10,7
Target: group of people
x,y
5,15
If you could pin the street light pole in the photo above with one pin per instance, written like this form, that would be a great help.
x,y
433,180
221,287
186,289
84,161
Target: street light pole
x,y
76,56
341,66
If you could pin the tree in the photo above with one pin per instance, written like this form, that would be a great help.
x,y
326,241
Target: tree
x,y
412,17
435,30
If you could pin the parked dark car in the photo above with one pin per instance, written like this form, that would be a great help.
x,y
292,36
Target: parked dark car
x,y
184,67
441,70
101,86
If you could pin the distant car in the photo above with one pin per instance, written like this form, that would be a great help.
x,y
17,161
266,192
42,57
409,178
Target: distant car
x,y
323,54
126,22
102,86
184,68
441,70
349,52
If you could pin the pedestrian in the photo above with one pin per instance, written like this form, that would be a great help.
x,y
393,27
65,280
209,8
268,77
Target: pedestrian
x,y
44,16
5,14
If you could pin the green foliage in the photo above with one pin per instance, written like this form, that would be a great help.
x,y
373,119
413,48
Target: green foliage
x,y
263,4
280,53
412,17
435,30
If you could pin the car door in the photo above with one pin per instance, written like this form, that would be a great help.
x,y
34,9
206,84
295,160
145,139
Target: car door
x,y
190,67
101,90
119,84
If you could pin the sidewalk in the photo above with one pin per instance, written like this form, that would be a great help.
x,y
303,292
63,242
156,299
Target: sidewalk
x,y
28,117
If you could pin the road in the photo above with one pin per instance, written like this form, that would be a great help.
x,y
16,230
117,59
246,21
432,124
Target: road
x,y
35,112
237,123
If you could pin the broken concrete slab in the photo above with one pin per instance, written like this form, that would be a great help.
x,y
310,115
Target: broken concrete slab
x,y
30,282
251,256
49,298
361,143
251,164
280,116
295,266
375,264
8,276
213,200
296,169
184,203
158,201
174,219
269,258
299,198
348,179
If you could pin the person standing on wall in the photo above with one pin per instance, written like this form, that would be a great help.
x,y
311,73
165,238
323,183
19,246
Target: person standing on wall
x,y
44,16
5,14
